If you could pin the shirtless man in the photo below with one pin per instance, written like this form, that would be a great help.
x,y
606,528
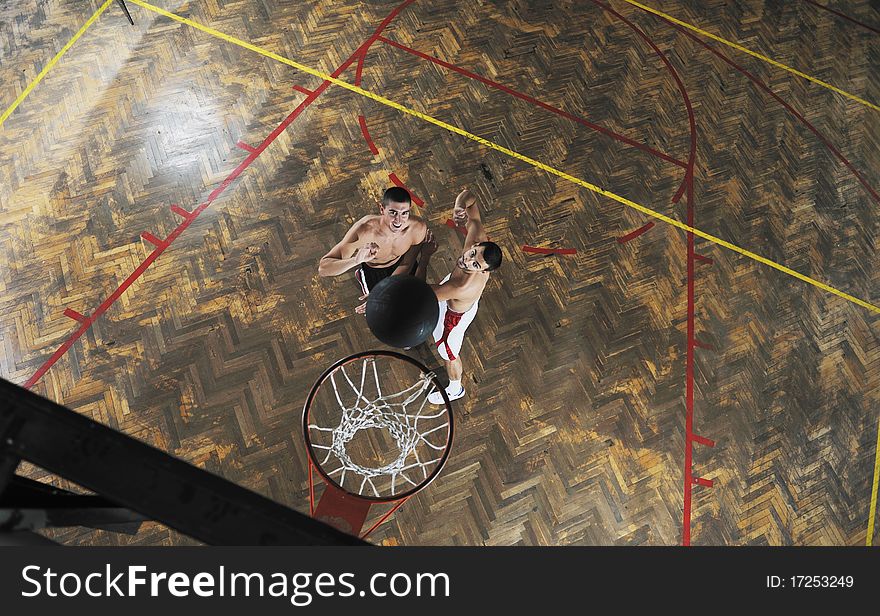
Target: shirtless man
x,y
379,246
459,293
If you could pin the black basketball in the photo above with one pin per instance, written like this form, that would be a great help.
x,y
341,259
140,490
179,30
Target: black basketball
x,y
402,311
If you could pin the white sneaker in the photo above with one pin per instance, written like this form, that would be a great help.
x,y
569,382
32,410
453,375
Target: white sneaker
x,y
437,397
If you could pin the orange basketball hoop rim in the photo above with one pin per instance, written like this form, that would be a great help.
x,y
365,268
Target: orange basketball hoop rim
x,y
372,436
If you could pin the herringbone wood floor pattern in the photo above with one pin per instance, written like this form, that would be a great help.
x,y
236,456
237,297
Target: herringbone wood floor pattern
x,y
573,430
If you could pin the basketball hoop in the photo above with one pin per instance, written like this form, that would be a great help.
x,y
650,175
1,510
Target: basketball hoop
x,y
372,435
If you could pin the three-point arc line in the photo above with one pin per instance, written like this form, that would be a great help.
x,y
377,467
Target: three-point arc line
x,y
683,28
633,235
803,120
360,65
686,188
396,181
363,122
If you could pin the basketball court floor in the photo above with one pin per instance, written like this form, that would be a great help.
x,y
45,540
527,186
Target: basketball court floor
x,y
681,347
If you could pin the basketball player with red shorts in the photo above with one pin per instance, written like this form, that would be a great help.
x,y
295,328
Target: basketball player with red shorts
x,y
459,293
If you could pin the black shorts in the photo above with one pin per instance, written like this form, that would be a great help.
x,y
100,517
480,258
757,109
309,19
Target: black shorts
x,y
368,277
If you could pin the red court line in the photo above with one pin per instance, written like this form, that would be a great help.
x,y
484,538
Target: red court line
x,y
788,107
703,345
549,251
842,15
703,482
686,189
73,314
702,440
534,101
302,90
360,67
684,95
188,218
840,157
98,312
633,235
396,181
181,212
244,146
689,374
378,33
704,259
155,241
363,122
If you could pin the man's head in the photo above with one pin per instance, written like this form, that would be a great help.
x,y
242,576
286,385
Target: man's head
x,y
396,204
482,257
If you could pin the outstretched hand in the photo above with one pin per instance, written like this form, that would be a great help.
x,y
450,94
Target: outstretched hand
x,y
367,252
463,201
362,309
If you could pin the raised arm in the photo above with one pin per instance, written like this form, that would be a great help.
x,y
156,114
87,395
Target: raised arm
x,y
466,211
426,249
346,254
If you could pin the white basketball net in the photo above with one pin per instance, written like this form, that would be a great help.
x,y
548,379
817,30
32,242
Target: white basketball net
x,y
409,430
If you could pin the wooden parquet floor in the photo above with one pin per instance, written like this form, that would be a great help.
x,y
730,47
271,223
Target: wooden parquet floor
x,y
575,426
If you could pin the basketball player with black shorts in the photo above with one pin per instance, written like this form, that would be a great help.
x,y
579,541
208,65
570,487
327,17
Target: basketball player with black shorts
x,y
459,293
379,246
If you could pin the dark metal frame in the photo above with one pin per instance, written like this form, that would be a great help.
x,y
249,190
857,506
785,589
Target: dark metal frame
x,y
131,478
28,505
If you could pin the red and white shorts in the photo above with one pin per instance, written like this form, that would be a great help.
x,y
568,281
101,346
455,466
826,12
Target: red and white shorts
x,y
449,332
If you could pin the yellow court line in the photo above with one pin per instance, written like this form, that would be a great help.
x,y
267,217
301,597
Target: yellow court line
x,y
755,54
52,62
516,155
873,511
